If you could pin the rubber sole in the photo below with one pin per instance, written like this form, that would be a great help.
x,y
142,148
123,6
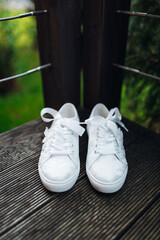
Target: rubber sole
x,y
107,187
60,186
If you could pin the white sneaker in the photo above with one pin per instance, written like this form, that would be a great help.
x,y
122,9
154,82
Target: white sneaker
x,y
106,164
59,163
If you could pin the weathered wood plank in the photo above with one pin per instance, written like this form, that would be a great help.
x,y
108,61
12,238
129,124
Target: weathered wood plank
x,y
92,25
23,179
20,143
31,196
26,164
60,43
76,213
105,35
19,176
147,226
11,162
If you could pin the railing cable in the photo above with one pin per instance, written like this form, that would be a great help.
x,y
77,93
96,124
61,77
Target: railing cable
x,y
33,13
141,14
26,73
136,71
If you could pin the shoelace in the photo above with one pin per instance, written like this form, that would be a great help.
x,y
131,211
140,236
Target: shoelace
x,y
104,135
58,139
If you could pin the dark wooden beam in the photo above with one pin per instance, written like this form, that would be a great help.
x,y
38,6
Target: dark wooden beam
x,y
105,35
60,43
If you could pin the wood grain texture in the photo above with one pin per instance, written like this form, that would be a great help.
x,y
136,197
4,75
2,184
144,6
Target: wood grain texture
x,y
28,211
20,143
105,35
60,43
147,226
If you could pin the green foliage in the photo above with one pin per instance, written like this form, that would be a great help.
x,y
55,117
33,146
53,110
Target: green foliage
x,y
23,106
17,35
18,45
141,95
7,49
140,100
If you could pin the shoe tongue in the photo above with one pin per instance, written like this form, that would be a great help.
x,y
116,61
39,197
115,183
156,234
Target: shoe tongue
x,y
98,119
112,127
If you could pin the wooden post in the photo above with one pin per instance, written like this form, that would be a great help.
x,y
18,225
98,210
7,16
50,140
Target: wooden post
x,y
60,43
105,35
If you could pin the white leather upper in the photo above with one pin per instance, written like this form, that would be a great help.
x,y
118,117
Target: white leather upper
x,y
107,168
59,159
106,160
58,168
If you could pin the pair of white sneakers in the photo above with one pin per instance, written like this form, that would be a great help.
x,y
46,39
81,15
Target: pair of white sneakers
x,y
59,163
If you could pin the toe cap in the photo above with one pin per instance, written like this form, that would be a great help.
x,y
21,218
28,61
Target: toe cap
x,y
108,169
58,169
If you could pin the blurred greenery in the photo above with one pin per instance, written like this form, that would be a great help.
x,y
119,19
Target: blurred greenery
x,y
140,99
23,99
19,53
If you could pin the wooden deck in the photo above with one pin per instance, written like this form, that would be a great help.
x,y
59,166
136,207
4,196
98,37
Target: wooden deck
x,y
29,211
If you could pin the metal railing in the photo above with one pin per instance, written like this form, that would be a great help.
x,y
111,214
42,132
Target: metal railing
x,y
23,15
36,13
136,71
48,65
26,73
126,68
141,14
